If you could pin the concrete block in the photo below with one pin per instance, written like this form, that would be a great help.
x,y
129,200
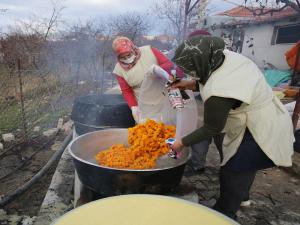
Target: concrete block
x,y
50,132
8,137
58,199
1,146
60,123
37,129
67,127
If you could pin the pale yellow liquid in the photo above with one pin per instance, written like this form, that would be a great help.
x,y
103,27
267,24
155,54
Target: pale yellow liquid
x,y
143,210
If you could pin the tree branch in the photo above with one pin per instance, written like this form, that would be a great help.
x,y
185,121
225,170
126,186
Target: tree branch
x,y
263,9
193,6
261,12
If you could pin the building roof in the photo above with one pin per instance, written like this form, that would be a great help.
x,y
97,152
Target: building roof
x,y
243,13
242,16
238,11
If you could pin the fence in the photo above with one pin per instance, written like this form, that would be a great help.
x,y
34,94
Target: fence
x,y
33,98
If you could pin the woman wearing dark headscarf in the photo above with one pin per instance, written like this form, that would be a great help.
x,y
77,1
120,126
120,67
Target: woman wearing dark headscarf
x,y
239,102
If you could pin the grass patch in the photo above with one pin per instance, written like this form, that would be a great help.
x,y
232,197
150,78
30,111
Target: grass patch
x,y
10,118
37,114
50,119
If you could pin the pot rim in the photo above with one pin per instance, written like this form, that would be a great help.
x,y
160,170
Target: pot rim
x,y
118,169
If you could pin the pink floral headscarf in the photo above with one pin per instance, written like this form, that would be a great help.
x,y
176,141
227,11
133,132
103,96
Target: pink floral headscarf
x,y
123,45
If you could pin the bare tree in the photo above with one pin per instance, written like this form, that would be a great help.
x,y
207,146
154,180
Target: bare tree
x,y
24,48
54,20
263,7
87,46
178,13
42,26
130,24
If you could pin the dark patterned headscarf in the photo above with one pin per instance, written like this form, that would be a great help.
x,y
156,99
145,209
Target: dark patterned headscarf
x,y
200,56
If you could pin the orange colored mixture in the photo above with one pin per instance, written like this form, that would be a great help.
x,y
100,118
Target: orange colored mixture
x,y
146,144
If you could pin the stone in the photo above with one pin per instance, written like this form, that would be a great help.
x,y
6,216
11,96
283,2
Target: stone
x,y
60,123
200,186
28,220
8,137
194,179
208,203
114,90
50,132
66,118
294,180
81,82
296,163
36,129
3,215
14,219
56,146
192,197
214,179
1,146
209,194
67,127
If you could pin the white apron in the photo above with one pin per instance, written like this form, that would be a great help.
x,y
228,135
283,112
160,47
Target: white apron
x,y
134,77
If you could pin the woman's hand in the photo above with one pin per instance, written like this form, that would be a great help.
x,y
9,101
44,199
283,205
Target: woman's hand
x,y
185,84
177,146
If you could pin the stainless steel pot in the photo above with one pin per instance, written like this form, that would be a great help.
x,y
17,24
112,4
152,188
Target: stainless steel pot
x,y
112,181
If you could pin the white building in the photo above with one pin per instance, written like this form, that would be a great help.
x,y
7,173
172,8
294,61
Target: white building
x,y
264,39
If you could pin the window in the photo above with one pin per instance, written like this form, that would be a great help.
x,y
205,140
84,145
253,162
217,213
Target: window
x,y
287,34
238,39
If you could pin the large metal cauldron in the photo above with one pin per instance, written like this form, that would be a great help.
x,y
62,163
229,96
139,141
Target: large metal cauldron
x,y
111,181
98,112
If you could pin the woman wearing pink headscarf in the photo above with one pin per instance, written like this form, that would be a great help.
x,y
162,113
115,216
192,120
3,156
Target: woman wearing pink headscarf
x,y
133,64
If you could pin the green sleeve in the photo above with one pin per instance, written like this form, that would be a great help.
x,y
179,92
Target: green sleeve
x,y
216,110
197,87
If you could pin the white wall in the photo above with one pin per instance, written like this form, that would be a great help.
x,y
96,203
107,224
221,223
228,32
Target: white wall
x,y
263,50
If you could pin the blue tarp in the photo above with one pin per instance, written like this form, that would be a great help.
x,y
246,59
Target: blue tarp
x,y
276,77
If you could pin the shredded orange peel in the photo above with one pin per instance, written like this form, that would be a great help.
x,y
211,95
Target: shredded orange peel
x,y
146,144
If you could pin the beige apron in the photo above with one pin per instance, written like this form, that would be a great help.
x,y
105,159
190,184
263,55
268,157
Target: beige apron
x,y
262,112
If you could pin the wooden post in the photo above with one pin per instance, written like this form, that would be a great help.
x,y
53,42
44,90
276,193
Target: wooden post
x,y
103,73
24,121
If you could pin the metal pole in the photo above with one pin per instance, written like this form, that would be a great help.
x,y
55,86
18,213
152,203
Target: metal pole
x,y
296,113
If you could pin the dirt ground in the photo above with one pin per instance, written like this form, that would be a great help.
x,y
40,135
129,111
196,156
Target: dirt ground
x,y
29,202
275,194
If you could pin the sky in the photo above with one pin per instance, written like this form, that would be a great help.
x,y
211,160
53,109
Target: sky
x,y
82,10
